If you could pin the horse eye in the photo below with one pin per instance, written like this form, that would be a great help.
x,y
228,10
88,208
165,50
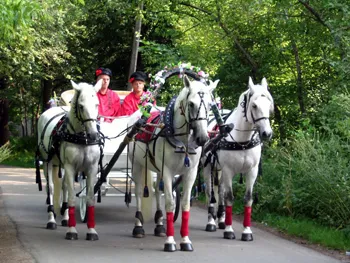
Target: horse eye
x,y
254,106
191,104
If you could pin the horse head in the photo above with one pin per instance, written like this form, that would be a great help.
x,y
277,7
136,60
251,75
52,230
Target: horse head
x,y
85,106
259,107
197,106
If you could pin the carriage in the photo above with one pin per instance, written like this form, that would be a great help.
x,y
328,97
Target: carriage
x,y
182,138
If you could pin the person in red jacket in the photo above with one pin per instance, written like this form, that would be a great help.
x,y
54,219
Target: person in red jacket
x,y
131,101
109,100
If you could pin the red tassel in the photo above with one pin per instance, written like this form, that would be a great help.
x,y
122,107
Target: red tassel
x,y
71,220
170,224
185,224
228,216
91,217
247,216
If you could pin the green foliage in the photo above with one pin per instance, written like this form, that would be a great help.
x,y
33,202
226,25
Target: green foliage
x,y
309,177
5,152
22,152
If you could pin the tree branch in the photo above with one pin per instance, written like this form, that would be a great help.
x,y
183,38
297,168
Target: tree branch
x,y
226,30
314,13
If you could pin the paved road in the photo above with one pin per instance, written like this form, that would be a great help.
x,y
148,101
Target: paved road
x,y
25,206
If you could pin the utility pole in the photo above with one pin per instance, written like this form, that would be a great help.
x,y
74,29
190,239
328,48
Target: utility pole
x,y
135,44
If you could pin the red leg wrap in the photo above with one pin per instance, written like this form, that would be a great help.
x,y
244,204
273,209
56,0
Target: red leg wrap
x,y
185,224
247,216
170,224
91,217
71,220
228,216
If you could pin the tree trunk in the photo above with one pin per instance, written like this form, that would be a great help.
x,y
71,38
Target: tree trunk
x,y
4,118
46,93
135,45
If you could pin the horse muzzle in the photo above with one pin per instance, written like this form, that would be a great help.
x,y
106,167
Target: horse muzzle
x,y
93,135
200,141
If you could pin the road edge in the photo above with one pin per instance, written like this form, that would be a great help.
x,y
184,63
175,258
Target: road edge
x,y
12,248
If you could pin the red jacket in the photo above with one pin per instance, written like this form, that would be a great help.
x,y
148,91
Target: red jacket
x,y
109,104
130,104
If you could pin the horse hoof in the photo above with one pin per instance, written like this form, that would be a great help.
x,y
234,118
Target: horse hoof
x,y
138,232
71,236
222,225
229,235
210,228
186,247
51,226
91,236
159,231
247,237
64,222
169,247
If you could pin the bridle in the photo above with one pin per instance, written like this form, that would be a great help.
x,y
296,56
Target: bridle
x,y
197,117
78,115
245,104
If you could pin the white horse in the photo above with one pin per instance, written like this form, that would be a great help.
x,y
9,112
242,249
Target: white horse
x,y
175,150
239,152
69,136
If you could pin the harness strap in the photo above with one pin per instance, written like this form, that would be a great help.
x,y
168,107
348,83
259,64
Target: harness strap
x,y
49,151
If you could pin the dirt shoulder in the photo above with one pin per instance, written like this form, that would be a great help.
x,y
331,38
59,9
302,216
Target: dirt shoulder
x,y
340,255
11,248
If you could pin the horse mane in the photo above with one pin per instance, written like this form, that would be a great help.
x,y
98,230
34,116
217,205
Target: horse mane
x,y
185,92
261,91
83,87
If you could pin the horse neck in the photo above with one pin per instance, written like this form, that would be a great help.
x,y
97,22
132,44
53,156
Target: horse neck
x,y
243,130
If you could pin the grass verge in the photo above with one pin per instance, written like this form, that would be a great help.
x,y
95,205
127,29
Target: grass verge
x,y
308,230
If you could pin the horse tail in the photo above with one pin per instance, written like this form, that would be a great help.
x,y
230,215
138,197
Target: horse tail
x,y
37,169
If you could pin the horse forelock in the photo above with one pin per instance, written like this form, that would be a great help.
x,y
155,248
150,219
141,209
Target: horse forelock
x,y
185,93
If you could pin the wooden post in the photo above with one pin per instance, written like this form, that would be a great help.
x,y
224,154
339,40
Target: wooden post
x,y
135,45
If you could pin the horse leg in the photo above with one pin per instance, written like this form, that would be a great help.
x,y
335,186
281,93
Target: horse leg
x,y
64,207
211,225
247,234
91,234
57,183
138,230
188,181
51,224
221,203
170,244
71,233
158,217
227,183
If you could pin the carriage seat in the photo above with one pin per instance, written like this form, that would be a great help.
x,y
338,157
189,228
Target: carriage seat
x,y
66,96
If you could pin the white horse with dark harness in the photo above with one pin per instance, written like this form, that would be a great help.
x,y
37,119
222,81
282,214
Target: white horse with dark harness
x,y
174,150
68,136
238,152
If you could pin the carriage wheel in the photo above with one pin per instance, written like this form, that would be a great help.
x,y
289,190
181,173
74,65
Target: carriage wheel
x,y
82,200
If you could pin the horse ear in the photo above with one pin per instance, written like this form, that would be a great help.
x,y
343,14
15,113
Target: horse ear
x,y
251,85
187,82
75,85
264,83
98,85
213,85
